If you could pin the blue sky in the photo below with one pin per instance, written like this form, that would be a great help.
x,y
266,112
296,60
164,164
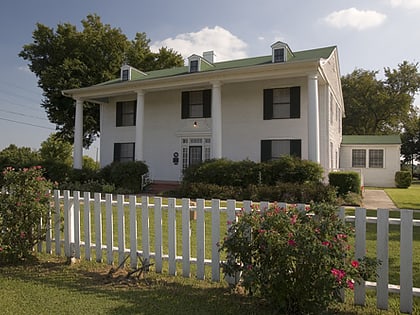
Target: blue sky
x,y
369,34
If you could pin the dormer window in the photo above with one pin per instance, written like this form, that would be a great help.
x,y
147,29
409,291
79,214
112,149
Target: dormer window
x,y
125,76
281,52
194,66
279,55
125,73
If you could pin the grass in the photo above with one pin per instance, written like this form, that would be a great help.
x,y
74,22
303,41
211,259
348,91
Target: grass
x,y
50,286
408,198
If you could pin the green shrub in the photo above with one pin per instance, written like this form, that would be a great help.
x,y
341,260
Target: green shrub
x,y
126,176
15,157
290,169
403,179
282,192
297,260
223,172
57,171
24,202
345,182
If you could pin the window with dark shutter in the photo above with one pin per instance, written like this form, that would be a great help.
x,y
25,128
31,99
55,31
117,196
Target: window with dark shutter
x,y
282,103
196,104
273,149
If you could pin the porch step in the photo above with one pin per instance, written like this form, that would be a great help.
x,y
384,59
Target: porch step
x,y
158,187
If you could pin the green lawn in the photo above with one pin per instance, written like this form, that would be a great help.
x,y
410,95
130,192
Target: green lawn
x,y
406,198
50,286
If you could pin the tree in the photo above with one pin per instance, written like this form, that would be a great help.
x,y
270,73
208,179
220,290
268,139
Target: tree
x,y
410,137
55,149
15,157
379,106
67,58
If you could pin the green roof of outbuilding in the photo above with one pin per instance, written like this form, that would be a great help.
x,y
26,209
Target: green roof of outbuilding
x,y
371,139
312,54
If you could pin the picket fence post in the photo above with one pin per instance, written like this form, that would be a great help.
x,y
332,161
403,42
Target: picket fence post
x,y
120,228
382,228
360,251
406,262
215,237
172,236
201,238
98,227
158,235
133,232
87,223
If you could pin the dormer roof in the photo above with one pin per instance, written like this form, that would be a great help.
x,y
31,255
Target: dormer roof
x,y
129,73
281,52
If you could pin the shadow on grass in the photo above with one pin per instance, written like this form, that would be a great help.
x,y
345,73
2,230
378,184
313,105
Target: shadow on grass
x,y
158,294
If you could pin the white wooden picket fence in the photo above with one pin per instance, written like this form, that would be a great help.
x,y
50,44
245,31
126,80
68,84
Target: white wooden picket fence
x,y
77,223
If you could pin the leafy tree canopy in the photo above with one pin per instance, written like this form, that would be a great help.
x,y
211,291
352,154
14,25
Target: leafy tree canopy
x,y
67,58
376,106
55,149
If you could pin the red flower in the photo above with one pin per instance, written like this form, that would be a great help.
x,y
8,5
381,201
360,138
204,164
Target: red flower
x,y
350,284
292,243
326,243
355,263
293,219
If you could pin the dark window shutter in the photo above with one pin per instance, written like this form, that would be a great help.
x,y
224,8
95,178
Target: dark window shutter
x,y
268,104
295,102
265,150
119,114
134,112
206,103
185,106
296,148
117,152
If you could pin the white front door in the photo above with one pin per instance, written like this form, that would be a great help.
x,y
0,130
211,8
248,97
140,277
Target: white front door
x,y
195,151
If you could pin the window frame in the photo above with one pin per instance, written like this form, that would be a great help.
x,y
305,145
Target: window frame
x,y
186,111
295,149
118,150
294,103
123,114
277,56
376,161
359,158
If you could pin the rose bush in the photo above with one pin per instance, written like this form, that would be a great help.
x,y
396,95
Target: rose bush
x,y
297,259
24,202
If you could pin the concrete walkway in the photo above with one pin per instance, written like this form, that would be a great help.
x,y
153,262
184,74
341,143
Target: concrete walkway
x,y
374,199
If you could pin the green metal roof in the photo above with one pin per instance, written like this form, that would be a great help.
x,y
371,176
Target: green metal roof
x,y
312,54
371,139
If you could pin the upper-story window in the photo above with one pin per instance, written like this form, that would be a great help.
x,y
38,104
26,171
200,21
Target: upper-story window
x,y
194,66
279,55
282,103
125,74
196,104
126,113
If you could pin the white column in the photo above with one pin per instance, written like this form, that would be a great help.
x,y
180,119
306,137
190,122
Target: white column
x,y
139,126
313,119
78,136
216,113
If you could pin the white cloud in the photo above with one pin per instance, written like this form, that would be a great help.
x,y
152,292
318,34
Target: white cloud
x,y
225,45
408,4
354,18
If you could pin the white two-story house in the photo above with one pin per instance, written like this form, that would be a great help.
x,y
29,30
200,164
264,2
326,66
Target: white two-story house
x,y
287,102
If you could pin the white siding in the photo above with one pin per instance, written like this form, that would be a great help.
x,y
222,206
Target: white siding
x,y
380,177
